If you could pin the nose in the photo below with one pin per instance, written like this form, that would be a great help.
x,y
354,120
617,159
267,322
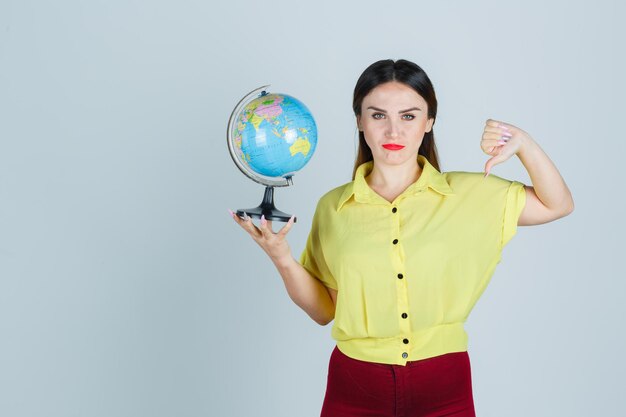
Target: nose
x,y
392,129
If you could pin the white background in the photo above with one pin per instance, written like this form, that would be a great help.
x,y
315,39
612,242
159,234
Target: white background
x,y
126,289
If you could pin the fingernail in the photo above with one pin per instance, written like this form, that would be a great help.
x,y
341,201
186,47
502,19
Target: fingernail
x,y
502,142
263,221
245,216
507,133
504,127
231,213
487,173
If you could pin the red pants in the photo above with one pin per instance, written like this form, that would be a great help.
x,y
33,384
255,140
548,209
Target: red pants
x,y
432,387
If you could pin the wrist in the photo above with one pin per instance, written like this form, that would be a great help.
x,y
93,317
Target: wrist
x,y
527,143
282,261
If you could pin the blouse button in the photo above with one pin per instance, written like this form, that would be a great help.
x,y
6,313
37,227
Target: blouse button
x,y
405,355
405,341
404,315
400,276
395,241
393,210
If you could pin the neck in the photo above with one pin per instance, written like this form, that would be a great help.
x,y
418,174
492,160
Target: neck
x,y
394,177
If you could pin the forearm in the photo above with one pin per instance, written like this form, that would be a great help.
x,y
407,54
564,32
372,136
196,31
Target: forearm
x,y
306,291
546,179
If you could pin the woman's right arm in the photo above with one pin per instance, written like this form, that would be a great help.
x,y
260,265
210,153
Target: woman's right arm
x,y
307,292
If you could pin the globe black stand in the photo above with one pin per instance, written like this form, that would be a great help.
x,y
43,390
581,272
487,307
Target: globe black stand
x,y
267,209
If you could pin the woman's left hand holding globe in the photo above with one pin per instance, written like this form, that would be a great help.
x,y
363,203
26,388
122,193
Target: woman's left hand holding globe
x,y
274,244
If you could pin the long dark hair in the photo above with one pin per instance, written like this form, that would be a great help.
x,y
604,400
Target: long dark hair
x,y
407,73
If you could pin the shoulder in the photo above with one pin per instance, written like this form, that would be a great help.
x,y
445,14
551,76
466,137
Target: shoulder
x,y
326,209
463,181
331,199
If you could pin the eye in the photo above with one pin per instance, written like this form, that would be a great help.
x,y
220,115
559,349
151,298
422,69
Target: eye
x,y
411,117
375,116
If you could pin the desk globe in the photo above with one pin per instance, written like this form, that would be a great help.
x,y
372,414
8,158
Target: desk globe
x,y
270,137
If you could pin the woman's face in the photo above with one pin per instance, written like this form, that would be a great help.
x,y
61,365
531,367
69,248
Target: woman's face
x,y
394,119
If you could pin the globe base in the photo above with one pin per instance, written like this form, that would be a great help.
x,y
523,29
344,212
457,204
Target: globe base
x,y
267,209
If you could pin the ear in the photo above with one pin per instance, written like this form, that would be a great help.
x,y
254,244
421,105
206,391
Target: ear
x,y
358,123
429,125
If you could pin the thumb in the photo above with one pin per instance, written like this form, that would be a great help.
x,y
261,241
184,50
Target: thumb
x,y
491,162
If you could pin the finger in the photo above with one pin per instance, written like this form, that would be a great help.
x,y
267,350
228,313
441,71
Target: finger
x,y
490,145
493,141
286,228
251,227
493,123
497,136
265,231
485,145
496,159
499,130
503,154
236,218
490,163
487,168
499,124
493,150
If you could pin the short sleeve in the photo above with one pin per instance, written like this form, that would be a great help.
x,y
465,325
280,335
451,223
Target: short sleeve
x,y
312,258
515,200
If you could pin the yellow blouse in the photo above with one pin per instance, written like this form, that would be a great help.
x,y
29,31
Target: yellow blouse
x,y
409,272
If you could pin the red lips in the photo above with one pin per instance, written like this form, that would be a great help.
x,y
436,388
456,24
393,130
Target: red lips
x,y
392,146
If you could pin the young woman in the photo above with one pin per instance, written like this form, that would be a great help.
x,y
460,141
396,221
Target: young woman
x,y
399,256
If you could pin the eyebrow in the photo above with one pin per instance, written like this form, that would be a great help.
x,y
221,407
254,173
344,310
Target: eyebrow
x,y
401,111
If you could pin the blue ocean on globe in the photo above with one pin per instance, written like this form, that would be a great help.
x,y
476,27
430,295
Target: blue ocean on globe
x,y
275,135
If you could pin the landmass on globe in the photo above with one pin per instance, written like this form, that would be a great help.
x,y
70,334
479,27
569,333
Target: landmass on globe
x,y
275,135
